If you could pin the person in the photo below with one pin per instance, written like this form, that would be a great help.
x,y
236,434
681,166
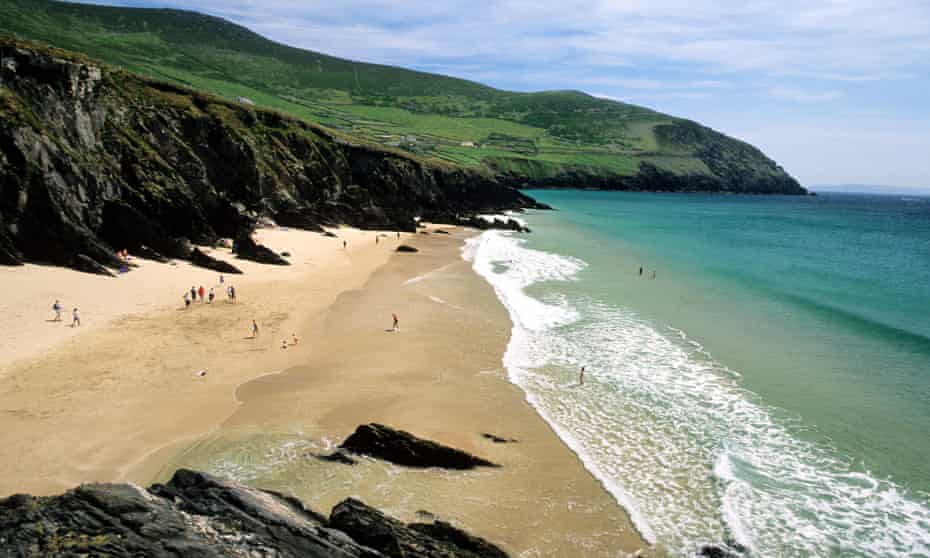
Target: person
x,y
653,274
254,329
640,271
344,244
201,292
232,293
294,339
211,296
376,239
581,377
57,308
398,235
396,322
221,279
75,318
193,293
187,299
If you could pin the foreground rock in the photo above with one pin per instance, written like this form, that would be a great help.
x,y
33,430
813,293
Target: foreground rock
x,y
372,528
403,448
196,514
406,248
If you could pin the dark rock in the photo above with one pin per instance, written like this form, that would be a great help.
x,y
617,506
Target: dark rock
x,y
90,265
285,254
329,234
147,253
730,550
441,231
199,515
370,527
424,232
200,259
406,248
246,248
403,448
498,439
337,457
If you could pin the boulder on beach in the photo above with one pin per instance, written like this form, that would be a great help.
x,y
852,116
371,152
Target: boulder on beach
x,y
196,514
371,528
406,248
201,259
247,249
403,448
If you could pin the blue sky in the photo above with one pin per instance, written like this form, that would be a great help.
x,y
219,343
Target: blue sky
x,y
836,91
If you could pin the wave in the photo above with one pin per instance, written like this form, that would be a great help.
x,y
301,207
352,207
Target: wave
x,y
672,435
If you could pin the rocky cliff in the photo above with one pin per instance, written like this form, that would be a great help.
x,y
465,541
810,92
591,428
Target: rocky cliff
x,y
199,515
94,159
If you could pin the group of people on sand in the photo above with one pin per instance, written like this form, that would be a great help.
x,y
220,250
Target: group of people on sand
x,y
57,308
208,296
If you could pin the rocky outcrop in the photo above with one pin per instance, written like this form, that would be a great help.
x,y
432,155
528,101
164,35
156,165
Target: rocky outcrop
x,y
95,160
407,248
200,259
375,530
403,448
196,514
247,249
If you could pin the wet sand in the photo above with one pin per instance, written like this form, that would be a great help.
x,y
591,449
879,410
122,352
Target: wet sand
x,y
440,378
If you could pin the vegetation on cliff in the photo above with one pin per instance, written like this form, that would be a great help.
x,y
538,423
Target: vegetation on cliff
x,y
94,159
554,138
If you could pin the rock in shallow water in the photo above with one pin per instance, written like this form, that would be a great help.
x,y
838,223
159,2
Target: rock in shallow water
x,y
403,448
196,514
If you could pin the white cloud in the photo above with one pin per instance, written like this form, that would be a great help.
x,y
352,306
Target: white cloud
x,y
802,96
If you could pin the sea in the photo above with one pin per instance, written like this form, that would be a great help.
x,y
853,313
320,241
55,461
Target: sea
x,y
757,368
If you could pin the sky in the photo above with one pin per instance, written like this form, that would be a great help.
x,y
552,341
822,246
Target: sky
x,y
836,91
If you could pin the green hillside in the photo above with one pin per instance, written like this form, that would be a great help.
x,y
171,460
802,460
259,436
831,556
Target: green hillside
x,y
549,138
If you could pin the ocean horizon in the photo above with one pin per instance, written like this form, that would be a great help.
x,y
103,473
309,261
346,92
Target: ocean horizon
x,y
757,368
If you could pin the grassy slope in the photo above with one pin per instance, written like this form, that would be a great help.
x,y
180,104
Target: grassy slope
x,y
533,134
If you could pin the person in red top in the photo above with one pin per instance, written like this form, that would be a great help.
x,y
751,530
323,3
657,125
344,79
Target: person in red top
x,y
201,292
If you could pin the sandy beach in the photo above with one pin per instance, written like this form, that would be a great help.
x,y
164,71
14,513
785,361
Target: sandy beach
x,y
120,398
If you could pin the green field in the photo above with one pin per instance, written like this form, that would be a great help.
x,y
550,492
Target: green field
x,y
433,116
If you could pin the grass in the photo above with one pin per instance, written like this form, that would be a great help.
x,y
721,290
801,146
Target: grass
x,y
427,114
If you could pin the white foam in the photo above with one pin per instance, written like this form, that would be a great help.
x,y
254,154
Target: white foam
x,y
672,435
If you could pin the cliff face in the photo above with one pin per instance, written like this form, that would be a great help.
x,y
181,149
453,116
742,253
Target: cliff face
x,y
93,160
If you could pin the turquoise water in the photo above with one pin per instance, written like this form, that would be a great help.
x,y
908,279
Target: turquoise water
x,y
771,385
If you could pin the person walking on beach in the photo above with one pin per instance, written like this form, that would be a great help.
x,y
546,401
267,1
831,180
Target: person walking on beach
x,y
187,299
193,293
75,318
221,279
211,296
201,292
344,244
377,239
653,274
254,329
640,271
396,327
57,308
398,235
581,377
294,339
232,294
